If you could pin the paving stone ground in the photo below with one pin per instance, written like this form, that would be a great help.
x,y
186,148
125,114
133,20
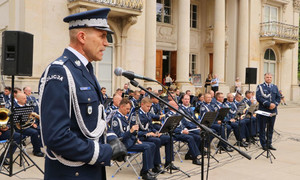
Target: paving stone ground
x,y
285,166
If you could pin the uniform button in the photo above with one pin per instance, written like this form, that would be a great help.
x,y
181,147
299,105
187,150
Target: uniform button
x,y
89,99
102,163
77,174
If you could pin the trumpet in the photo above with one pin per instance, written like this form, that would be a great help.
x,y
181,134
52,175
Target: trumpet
x,y
4,117
29,122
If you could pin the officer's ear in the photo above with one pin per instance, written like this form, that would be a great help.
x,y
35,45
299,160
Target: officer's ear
x,y
81,37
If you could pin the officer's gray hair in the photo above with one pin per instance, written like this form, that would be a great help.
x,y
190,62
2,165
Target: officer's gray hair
x,y
268,73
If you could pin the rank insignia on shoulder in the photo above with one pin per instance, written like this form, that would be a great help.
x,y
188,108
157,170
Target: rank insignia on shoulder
x,y
59,62
89,110
78,63
115,123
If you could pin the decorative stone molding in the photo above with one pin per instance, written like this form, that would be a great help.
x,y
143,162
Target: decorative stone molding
x,y
297,5
165,34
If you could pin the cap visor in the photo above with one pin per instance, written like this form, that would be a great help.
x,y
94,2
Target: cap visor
x,y
105,29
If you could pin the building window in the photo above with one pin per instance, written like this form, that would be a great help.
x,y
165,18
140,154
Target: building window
x,y
193,16
192,66
270,14
163,11
270,63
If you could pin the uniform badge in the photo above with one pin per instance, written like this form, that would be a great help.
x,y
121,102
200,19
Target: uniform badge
x,y
78,63
203,109
89,110
114,123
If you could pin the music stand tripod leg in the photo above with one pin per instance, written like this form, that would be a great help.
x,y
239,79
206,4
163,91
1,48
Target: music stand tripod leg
x,y
269,153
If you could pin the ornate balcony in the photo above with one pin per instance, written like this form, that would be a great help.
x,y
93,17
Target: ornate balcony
x,y
279,32
119,8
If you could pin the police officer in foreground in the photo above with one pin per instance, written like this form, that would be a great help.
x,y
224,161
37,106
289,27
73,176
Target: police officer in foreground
x,y
268,96
121,126
72,122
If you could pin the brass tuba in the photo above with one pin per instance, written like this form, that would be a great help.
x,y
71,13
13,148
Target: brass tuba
x,y
29,122
4,117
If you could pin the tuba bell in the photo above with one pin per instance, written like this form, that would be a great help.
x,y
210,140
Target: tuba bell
x,y
4,117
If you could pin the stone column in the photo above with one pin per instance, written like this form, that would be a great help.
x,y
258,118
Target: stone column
x,y
243,40
219,39
150,40
183,43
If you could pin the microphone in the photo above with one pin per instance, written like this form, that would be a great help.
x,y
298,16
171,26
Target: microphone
x,y
129,74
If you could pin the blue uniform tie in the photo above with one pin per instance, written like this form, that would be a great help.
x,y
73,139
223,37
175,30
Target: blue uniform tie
x,y
89,66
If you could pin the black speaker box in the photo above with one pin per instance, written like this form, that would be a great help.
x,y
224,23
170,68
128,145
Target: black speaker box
x,y
17,51
251,75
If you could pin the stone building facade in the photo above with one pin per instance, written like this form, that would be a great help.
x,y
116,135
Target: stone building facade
x,y
180,37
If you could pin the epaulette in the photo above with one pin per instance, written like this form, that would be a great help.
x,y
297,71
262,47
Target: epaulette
x,y
61,60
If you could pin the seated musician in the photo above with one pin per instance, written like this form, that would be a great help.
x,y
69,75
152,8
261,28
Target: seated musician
x,y
121,127
33,131
149,134
135,103
239,132
217,126
157,115
250,118
182,134
115,105
195,133
218,105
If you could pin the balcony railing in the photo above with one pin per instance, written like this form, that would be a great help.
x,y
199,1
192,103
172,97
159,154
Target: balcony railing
x,y
129,4
279,30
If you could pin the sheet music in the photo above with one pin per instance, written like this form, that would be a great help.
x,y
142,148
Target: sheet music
x,y
264,113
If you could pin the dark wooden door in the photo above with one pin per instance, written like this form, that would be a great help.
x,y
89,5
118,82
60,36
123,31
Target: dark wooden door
x,y
173,64
158,71
211,63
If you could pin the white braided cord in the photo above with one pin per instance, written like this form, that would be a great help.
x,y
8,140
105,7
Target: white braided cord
x,y
95,135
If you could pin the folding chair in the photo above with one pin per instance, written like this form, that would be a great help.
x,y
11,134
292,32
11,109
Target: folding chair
x,y
178,146
131,156
3,144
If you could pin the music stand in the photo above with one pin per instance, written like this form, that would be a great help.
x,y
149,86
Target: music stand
x,y
207,120
107,102
250,112
269,153
239,113
221,116
20,115
168,127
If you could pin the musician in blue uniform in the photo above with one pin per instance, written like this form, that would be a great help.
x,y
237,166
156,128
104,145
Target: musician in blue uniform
x,y
194,129
268,96
135,99
31,100
149,134
33,130
225,125
115,105
157,115
238,126
249,118
71,107
121,126
182,134
217,126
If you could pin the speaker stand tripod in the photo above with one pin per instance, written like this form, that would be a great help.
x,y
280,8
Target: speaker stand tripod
x,y
11,143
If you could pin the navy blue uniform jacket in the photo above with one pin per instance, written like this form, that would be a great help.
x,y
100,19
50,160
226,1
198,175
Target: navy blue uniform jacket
x,y
61,133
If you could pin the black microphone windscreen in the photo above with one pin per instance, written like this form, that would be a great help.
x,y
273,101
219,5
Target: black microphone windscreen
x,y
118,71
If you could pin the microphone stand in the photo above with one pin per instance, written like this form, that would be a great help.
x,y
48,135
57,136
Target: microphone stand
x,y
203,128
